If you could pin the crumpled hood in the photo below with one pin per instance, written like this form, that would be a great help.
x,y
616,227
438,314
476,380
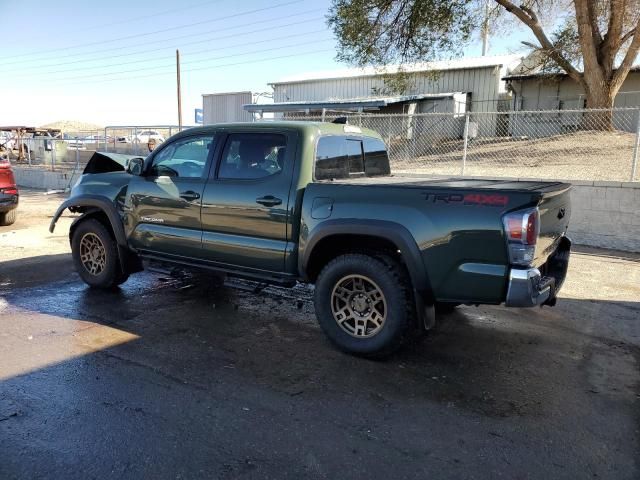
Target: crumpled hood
x,y
103,162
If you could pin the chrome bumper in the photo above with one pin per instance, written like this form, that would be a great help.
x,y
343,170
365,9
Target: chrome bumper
x,y
527,288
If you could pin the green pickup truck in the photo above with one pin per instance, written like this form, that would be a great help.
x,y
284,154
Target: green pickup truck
x,y
287,202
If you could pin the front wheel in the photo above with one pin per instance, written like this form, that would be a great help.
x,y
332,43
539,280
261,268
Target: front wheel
x,y
364,304
95,255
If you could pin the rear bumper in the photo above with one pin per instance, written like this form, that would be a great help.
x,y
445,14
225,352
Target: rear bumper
x,y
8,202
532,287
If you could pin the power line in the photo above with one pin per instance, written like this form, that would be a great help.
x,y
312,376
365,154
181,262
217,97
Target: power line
x,y
40,66
143,17
196,52
136,70
172,72
128,37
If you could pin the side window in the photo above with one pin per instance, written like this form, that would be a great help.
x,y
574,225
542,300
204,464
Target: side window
x,y
343,157
376,158
354,151
184,158
249,156
338,157
331,158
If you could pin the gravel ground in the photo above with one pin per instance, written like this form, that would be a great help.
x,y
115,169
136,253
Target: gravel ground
x,y
168,378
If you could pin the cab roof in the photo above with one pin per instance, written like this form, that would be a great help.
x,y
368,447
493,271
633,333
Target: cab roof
x,y
305,127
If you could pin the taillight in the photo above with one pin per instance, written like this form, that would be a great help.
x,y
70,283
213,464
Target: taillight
x,y
9,191
522,229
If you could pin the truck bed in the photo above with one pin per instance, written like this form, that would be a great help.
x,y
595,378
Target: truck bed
x,y
448,183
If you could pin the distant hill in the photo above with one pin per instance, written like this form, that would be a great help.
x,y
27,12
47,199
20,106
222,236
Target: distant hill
x,y
72,126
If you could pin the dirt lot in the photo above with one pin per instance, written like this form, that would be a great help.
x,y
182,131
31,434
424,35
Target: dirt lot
x,y
580,155
180,379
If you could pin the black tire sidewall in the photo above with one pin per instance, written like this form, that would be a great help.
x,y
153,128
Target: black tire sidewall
x,y
108,278
8,218
395,325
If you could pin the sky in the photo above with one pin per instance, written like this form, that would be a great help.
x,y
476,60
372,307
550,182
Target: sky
x,y
113,62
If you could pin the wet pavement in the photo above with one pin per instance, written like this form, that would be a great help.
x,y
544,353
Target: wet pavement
x,y
183,378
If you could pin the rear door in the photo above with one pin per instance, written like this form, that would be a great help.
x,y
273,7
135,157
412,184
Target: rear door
x,y
164,204
245,204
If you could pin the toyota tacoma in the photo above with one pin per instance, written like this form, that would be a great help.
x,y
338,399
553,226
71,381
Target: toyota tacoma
x,y
288,202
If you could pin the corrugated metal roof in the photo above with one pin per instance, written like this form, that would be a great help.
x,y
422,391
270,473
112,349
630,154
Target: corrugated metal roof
x,y
459,64
243,92
531,67
362,102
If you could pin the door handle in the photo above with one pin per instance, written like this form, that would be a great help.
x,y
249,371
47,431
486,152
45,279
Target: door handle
x,y
268,201
190,196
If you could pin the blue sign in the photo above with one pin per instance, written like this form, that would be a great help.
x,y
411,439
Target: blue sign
x,y
199,116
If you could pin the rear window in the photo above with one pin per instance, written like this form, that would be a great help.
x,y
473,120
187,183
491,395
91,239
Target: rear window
x,y
343,157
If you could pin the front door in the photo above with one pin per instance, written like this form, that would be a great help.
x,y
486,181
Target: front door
x,y
244,208
164,204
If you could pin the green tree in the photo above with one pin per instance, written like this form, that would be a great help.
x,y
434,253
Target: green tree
x,y
594,41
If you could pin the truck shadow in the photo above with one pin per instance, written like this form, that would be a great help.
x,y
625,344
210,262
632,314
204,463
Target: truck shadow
x,y
490,360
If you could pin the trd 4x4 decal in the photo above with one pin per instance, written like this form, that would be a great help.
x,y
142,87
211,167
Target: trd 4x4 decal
x,y
491,199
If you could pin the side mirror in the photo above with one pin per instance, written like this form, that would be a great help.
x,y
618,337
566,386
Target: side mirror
x,y
135,166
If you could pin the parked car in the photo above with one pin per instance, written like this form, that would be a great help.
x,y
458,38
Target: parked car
x,y
289,202
9,194
146,135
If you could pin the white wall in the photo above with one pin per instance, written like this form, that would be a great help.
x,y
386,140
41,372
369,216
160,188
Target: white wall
x,y
606,214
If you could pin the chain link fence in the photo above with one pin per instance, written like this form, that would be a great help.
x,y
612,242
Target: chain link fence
x,y
550,144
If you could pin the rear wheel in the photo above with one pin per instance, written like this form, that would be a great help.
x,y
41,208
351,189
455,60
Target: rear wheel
x,y
364,304
8,218
95,255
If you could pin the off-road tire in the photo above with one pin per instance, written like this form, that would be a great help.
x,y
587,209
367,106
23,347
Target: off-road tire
x,y
8,218
392,280
111,275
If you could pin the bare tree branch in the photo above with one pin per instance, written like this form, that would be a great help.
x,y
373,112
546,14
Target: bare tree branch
x,y
627,36
545,44
585,35
595,28
623,70
616,21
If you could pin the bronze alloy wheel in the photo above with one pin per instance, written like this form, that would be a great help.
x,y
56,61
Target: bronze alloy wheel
x,y
93,254
359,306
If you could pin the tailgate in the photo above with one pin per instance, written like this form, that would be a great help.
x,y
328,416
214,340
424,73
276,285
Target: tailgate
x,y
555,212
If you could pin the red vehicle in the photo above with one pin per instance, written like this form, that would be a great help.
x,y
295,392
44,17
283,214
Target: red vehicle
x,y
8,194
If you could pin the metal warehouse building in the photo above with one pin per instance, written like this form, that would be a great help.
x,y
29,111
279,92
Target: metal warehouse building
x,y
534,90
449,86
226,107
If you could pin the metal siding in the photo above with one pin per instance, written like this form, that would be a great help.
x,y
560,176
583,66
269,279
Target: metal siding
x,y
225,108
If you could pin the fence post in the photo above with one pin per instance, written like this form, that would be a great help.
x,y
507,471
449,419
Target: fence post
x,y
135,140
636,148
53,155
466,141
106,142
77,156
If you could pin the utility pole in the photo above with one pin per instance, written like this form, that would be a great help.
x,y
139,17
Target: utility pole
x,y
179,94
484,30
